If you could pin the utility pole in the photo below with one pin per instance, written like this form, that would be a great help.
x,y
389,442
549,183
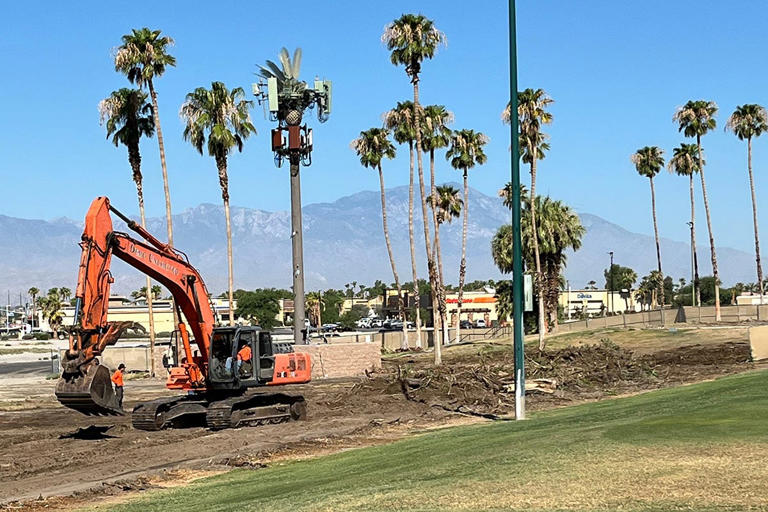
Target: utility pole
x,y
287,98
517,255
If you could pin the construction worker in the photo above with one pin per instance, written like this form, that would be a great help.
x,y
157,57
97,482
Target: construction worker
x,y
117,379
244,365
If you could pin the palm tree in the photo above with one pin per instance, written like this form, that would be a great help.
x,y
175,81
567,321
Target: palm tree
x,y
648,161
400,121
532,113
315,305
51,305
749,121
128,117
372,147
695,119
411,39
436,135
221,116
559,229
685,162
65,294
142,57
34,292
465,151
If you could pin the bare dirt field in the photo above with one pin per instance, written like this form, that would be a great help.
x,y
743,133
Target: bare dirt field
x,y
39,470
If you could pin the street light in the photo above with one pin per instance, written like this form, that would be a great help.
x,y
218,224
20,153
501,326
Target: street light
x,y
287,98
693,267
517,255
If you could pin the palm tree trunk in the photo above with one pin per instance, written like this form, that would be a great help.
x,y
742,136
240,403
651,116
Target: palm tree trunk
x,y
404,342
436,253
224,183
715,273
754,219
431,272
696,290
161,145
537,257
413,254
135,158
463,266
656,234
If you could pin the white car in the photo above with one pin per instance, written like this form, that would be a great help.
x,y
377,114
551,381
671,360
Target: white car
x,y
480,324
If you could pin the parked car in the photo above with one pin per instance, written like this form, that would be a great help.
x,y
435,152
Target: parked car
x,y
480,324
465,324
330,327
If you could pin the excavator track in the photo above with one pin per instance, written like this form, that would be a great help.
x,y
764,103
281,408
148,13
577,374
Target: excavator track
x,y
254,410
168,412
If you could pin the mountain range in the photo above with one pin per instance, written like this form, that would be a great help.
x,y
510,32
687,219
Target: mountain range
x,y
343,242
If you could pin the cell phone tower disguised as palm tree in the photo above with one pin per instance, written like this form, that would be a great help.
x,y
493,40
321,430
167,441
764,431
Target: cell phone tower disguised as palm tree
x,y
287,98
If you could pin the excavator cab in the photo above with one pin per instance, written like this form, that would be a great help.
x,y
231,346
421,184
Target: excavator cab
x,y
227,370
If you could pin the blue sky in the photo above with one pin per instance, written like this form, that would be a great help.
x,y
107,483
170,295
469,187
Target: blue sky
x,y
617,71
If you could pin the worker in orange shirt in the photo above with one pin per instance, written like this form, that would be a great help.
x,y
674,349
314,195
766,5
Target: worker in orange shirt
x,y
244,365
117,379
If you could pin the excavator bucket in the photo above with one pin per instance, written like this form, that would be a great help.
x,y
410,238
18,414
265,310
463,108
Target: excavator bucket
x,y
89,392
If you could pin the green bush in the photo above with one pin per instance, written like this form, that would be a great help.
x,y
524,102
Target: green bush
x,y
41,336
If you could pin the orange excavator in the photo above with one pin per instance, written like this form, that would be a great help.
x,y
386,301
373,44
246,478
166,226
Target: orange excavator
x,y
217,384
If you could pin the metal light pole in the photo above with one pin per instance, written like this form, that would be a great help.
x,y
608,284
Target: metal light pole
x,y
693,275
517,255
288,98
610,281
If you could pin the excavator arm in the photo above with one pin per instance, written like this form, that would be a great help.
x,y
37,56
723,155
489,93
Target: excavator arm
x,y
84,384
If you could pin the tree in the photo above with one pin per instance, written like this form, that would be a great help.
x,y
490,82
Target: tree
x,y
400,121
532,113
315,307
695,119
142,292
220,116
648,161
260,306
411,39
142,57
436,135
619,278
504,300
34,292
466,150
749,121
128,118
559,229
51,305
372,146
684,162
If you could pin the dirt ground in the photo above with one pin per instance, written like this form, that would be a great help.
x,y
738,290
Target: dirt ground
x,y
406,397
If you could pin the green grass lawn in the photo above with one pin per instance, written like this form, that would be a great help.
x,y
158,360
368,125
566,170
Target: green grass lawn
x,y
699,447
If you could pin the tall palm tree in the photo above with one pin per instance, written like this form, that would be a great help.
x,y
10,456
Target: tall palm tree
x,y
128,117
34,292
685,162
221,116
695,119
411,39
648,161
465,151
532,113
436,135
51,305
142,57
749,121
400,121
372,146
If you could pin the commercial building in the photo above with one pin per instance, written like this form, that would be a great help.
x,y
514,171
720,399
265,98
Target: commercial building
x,y
577,303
